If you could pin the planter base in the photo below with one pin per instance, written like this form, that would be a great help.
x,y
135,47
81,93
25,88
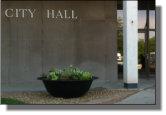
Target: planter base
x,y
67,88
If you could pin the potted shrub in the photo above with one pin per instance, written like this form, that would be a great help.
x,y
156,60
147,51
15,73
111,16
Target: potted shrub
x,y
68,82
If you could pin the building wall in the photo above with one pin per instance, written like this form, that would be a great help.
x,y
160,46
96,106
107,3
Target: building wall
x,y
31,46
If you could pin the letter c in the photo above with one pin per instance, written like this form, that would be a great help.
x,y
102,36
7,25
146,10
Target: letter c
x,y
6,12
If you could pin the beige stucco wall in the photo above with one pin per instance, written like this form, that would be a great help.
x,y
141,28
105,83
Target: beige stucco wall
x,y
31,46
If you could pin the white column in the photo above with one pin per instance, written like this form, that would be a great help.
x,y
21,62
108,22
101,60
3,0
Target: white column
x,y
130,44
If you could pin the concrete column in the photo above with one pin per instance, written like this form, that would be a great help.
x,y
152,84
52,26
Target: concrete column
x,y
130,44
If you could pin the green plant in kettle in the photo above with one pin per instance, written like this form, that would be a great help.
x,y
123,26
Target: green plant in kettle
x,y
53,76
86,75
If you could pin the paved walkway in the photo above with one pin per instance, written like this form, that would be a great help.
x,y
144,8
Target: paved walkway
x,y
147,96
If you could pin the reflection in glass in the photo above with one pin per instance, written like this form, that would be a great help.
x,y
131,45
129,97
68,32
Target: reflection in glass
x,y
152,19
152,59
141,19
120,19
141,50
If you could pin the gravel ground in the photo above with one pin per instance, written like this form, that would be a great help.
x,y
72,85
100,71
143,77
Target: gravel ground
x,y
94,96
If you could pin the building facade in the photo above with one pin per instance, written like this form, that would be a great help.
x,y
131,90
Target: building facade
x,y
38,35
